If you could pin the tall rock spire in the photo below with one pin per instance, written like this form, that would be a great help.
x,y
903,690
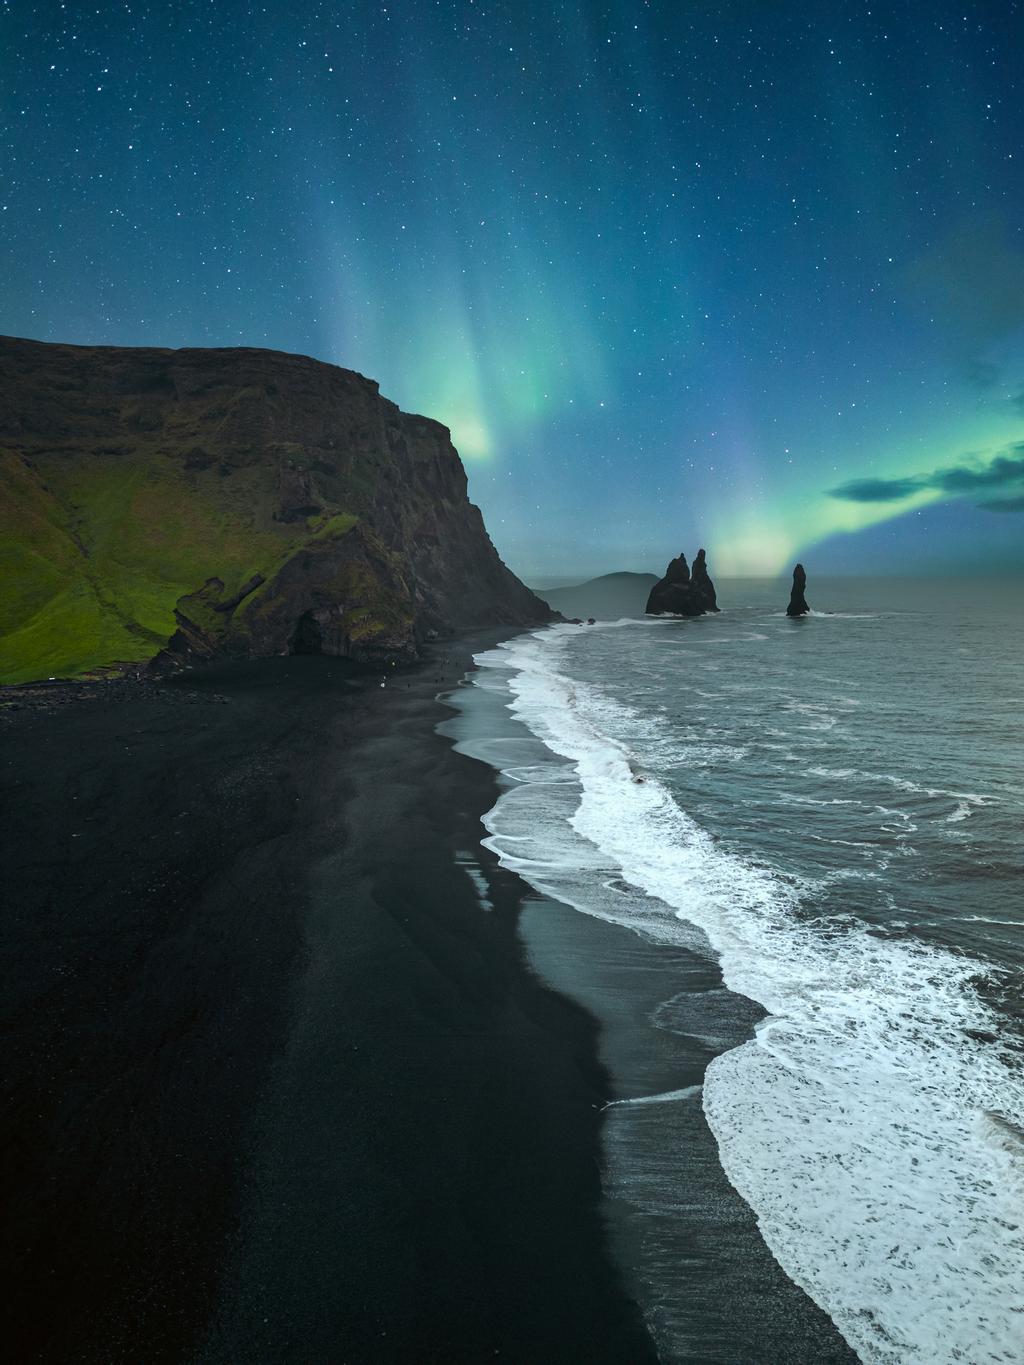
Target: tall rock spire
x,y
797,601
701,580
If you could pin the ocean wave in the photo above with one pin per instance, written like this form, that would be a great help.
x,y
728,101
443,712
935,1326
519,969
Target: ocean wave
x,y
865,1123
816,716
749,637
968,801
847,615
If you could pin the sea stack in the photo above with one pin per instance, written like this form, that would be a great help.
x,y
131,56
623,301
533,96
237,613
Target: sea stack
x,y
677,594
701,580
797,601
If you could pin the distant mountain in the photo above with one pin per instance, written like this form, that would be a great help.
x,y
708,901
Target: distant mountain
x,y
227,503
607,598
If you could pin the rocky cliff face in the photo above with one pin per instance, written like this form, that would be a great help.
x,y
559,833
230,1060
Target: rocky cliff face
x,y
227,503
681,593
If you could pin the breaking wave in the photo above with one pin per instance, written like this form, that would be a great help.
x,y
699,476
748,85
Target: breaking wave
x,y
874,1122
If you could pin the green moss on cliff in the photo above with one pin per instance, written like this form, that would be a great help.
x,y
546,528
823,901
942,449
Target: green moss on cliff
x,y
97,549
130,477
338,525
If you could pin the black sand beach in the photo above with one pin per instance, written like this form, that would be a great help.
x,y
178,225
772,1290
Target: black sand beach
x,y
279,1085
686,1243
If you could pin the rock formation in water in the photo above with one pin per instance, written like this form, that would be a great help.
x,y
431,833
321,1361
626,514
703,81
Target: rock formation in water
x,y
797,601
227,503
676,593
701,580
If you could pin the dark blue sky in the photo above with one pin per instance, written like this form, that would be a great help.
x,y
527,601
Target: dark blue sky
x,y
747,275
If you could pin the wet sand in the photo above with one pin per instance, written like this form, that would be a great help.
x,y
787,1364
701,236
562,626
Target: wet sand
x,y
279,1083
686,1241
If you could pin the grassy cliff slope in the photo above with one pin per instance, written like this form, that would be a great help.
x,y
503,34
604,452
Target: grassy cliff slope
x,y
226,502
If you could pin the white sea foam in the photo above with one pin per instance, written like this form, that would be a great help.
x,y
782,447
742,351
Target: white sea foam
x,y
962,811
542,772
750,637
666,1097
846,615
967,801
874,1137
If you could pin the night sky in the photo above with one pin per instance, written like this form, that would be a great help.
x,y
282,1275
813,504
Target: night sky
x,y
742,275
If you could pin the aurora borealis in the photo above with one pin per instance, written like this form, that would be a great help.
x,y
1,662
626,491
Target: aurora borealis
x,y
745,275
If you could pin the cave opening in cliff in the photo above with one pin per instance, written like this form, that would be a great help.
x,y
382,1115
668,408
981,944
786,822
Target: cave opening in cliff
x,y
308,638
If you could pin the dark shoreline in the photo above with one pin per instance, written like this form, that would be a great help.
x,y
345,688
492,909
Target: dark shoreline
x,y
279,1086
686,1243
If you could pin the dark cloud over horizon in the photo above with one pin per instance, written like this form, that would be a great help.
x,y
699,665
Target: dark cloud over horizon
x,y
1005,471
1014,504
877,490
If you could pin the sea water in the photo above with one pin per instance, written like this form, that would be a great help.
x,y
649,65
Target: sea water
x,y
831,810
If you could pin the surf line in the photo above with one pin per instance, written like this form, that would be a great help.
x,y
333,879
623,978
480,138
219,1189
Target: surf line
x,y
665,1097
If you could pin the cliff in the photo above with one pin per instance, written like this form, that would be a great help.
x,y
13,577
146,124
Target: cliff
x,y
227,503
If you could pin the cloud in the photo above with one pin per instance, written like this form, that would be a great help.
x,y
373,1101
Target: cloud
x,y
1015,504
1005,471
876,490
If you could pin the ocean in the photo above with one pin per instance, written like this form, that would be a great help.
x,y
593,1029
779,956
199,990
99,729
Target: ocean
x,y
810,832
